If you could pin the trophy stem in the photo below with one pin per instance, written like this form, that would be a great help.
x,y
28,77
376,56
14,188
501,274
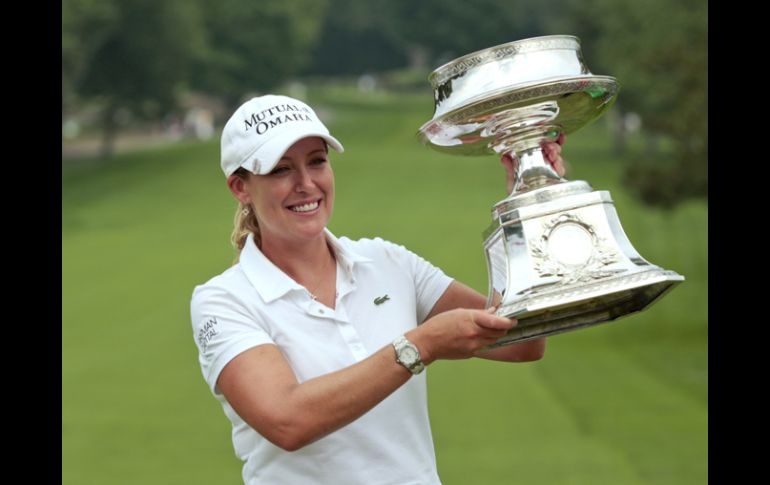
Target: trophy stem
x,y
520,132
532,171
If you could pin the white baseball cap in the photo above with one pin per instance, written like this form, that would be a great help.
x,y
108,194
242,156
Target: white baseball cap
x,y
259,132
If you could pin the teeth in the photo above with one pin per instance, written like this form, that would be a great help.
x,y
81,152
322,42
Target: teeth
x,y
305,208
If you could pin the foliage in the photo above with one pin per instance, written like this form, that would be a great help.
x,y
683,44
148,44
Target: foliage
x,y
144,55
357,36
255,46
130,56
658,50
424,34
455,28
85,26
137,56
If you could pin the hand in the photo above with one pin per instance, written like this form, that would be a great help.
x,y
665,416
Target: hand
x,y
551,152
458,334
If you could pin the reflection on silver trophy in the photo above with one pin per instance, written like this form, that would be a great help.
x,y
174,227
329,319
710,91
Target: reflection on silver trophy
x,y
557,256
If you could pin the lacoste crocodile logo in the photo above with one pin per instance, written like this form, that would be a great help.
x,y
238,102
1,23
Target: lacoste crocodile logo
x,y
381,299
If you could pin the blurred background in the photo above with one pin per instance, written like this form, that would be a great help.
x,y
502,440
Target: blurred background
x,y
146,216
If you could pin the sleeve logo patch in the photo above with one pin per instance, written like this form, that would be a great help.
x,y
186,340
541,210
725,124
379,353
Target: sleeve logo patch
x,y
207,331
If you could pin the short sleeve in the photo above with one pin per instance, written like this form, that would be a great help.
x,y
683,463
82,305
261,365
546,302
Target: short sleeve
x,y
430,282
222,328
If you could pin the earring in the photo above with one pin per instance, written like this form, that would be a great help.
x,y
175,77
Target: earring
x,y
245,211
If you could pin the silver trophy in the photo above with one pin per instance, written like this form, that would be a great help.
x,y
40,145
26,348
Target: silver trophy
x,y
557,256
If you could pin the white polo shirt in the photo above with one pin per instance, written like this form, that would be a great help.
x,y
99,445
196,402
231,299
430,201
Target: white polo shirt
x,y
383,290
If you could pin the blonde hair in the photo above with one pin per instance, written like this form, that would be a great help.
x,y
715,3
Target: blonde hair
x,y
245,222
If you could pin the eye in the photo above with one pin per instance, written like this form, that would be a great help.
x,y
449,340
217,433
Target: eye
x,y
279,170
318,161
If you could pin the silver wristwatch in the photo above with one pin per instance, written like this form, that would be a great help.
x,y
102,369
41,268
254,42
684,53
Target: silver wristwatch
x,y
408,355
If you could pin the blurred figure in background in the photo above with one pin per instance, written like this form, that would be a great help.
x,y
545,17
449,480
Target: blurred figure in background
x,y
314,344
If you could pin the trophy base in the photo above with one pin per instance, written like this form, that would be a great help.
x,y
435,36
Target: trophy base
x,y
569,309
558,260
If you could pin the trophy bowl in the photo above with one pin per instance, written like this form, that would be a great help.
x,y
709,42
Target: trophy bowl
x,y
557,256
481,95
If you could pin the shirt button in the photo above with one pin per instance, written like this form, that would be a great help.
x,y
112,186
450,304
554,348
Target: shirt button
x,y
321,312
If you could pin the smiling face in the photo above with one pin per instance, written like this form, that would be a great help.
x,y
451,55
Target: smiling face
x,y
294,202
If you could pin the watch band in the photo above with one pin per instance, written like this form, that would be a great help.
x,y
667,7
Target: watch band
x,y
408,355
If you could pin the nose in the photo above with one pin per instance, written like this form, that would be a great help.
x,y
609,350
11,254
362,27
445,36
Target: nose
x,y
303,182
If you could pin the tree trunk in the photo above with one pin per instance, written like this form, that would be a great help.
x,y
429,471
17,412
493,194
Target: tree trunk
x,y
418,56
619,133
109,131
651,145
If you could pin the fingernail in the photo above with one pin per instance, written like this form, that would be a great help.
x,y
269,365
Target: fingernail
x,y
491,309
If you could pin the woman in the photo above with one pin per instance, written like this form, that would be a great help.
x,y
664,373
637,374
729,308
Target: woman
x,y
314,344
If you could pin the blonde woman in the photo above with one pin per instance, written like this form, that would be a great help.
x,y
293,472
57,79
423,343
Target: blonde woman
x,y
314,344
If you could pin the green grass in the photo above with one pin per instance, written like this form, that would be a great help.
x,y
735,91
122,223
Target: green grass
x,y
622,403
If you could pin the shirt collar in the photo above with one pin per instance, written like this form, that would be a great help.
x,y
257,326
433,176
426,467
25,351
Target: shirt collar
x,y
272,283
346,258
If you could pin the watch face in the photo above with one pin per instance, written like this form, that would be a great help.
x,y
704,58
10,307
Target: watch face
x,y
408,355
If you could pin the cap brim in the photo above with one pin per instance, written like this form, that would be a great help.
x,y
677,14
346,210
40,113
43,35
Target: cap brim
x,y
269,154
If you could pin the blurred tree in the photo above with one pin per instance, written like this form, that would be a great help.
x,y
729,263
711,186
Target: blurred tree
x,y
254,46
85,26
137,55
374,35
358,36
658,50
447,29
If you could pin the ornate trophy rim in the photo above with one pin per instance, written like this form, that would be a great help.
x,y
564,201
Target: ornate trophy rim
x,y
462,64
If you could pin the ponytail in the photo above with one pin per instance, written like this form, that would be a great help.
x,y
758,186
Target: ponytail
x,y
245,223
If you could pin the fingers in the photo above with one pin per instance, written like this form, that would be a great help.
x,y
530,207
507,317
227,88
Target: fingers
x,y
508,163
491,327
551,150
490,321
459,333
559,167
552,153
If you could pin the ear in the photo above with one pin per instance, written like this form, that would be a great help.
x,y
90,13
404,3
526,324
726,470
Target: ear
x,y
238,187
